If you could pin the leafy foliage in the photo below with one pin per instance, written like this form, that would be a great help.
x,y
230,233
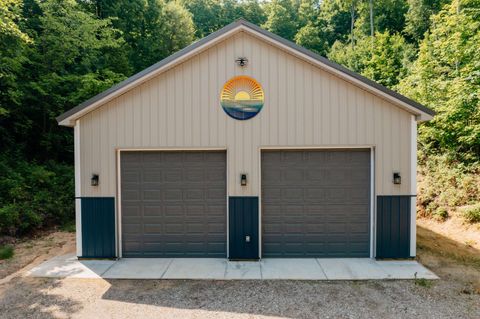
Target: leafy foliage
x,y
152,29
472,213
211,15
34,196
6,252
12,40
9,16
282,18
417,18
384,58
442,186
446,77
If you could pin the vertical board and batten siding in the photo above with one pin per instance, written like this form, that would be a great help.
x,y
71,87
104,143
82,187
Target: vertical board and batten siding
x,y
304,107
393,227
98,227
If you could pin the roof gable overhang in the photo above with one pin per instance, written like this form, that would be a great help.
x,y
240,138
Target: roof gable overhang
x,y
421,112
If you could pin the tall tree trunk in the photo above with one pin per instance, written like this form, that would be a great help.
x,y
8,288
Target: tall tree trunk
x,y
371,19
456,54
352,23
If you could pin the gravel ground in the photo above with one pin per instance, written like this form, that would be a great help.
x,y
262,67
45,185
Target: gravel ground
x,y
456,295
95,298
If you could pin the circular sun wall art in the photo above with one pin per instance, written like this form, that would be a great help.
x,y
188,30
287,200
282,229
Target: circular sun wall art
x,y
242,97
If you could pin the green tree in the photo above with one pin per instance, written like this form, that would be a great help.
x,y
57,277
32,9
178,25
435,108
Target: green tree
x,y
446,77
207,15
12,42
152,29
387,15
418,16
384,59
164,29
211,15
72,52
282,18
252,11
9,15
310,34
330,22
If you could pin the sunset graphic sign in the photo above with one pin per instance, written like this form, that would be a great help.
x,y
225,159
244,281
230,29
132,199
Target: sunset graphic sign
x,y
242,97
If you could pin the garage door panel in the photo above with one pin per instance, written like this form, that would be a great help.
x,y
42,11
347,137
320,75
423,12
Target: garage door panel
x,y
132,228
131,176
193,194
173,204
195,175
131,210
151,158
172,210
153,210
172,194
218,194
272,195
131,194
133,160
215,174
217,209
316,194
153,228
315,203
151,194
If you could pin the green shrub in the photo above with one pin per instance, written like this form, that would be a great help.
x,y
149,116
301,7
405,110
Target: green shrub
x,y
6,252
440,213
423,282
443,184
472,213
68,227
34,196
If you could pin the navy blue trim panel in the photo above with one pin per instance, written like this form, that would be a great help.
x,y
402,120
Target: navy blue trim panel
x,y
393,226
243,227
98,227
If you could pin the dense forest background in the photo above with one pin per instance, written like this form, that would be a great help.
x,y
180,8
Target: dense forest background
x,y
55,54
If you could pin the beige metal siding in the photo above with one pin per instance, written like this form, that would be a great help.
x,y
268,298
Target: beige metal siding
x,y
304,107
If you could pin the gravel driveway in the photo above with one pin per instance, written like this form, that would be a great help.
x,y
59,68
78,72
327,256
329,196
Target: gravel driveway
x,y
455,295
96,298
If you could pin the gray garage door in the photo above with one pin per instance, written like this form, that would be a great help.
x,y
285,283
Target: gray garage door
x,y
315,203
173,204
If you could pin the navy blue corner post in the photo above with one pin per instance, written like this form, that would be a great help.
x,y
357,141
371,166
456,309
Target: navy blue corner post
x,y
243,227
393,226
98,227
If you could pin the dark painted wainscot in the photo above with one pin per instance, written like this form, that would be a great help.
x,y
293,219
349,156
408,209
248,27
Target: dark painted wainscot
x,y
243,227
393,226
98,227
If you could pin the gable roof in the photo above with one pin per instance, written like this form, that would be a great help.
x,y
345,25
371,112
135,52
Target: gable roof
x,y
68,118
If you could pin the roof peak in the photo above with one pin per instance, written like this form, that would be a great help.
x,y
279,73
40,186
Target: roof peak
x,y
71,115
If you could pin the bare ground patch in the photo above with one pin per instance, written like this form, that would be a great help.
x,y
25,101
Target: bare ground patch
x,y
33,251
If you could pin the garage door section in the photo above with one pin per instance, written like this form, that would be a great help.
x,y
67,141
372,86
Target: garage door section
x,y
315,203
173,204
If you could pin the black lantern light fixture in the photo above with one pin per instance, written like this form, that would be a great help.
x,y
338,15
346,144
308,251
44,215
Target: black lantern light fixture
x,y
241,61
397,179
94,180
243,179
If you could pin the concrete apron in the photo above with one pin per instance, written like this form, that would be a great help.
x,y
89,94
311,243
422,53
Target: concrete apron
x,y
68,266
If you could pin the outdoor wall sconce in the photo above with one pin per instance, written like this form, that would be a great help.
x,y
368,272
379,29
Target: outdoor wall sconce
x,y
243,179
241,61
397,179
94,180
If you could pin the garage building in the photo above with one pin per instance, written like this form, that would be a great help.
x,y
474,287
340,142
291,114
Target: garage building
x,y
243,146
